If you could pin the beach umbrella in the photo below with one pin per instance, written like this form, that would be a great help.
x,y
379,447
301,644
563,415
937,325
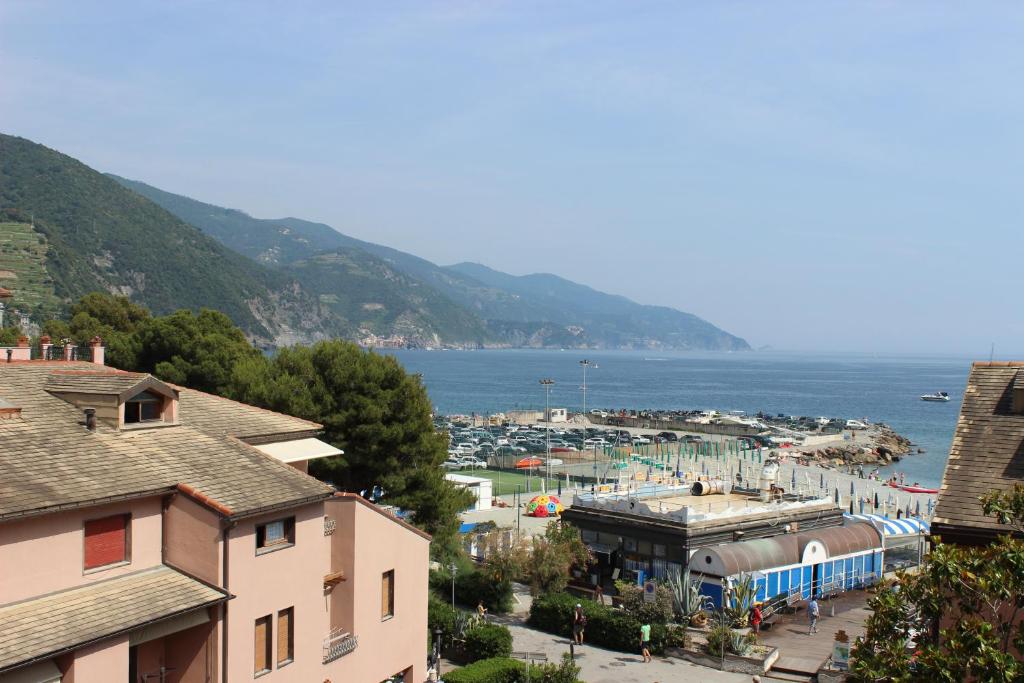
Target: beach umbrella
x,y
852,492
851,506
794,478
837,498
876,500
821,484
917,508
861,502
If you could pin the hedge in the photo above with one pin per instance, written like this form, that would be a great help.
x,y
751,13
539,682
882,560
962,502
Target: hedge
x,y
487,641
606,626
497,670
504,670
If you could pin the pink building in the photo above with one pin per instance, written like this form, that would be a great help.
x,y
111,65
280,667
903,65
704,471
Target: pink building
x,y
155,534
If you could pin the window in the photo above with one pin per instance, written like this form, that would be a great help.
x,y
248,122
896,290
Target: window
x,y
275,535
387,595
285,636
143,407
106,541
261,665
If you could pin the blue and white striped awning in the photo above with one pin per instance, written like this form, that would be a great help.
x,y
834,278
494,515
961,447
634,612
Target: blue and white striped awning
x,y
905,526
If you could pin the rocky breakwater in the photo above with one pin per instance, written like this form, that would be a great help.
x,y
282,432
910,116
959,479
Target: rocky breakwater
x,y
879,446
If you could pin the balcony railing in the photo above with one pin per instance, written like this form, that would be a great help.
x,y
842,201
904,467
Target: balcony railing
x,y
338,644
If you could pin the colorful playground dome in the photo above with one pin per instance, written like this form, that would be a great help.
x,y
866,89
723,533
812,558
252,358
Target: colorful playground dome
x,y
544,506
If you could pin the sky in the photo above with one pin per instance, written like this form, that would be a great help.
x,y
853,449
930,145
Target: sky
x,y
821,176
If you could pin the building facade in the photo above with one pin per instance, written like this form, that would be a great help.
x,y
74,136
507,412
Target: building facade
x,y
151,533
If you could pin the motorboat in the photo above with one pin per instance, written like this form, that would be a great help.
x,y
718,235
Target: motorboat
x,y
908,488
938,396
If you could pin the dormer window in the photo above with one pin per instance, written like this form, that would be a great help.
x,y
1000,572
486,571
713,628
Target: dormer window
x,y
143,407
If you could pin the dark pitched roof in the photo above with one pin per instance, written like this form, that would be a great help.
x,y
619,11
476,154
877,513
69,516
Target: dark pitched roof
x,y
49,461
121,384
988,448
55,623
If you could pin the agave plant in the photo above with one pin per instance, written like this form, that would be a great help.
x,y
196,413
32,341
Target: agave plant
x,y
744,594
740,643
686,596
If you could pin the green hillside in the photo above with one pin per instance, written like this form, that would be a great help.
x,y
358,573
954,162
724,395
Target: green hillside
x,y
103,236
372,296
23,253
533,310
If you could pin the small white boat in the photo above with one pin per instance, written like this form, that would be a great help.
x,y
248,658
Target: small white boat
x,y
938,396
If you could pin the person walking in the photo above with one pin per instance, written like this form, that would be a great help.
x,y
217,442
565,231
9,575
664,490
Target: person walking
x,y
756,618
812,613
579,622
645,642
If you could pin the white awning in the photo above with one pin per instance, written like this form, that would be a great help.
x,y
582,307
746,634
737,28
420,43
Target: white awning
x,y
43,672
298,449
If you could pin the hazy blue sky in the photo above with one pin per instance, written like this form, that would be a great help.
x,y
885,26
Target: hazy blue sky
x,y
815,175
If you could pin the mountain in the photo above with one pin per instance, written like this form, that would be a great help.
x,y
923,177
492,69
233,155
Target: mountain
x,y
93,234
371,294
466,302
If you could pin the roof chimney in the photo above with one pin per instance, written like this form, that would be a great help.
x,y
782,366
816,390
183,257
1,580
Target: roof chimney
x,y
90,419
98,352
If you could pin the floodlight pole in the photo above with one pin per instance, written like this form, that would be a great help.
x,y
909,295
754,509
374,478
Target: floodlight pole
x,y
547,384
586,364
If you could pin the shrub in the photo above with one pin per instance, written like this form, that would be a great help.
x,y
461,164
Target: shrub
x,y
498,670
504,670
632,596
487,641
473,585
719,638
606,626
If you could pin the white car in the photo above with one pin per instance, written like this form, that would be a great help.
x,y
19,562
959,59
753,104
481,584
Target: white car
x,y
596,443
465,448
451,464
855,424
472,463
640,440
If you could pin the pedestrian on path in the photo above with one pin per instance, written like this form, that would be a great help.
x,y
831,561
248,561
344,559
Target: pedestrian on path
x,y
579,622
813,612
755,617
645,642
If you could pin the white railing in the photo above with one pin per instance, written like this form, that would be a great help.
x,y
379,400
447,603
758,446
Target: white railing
x,y
338,644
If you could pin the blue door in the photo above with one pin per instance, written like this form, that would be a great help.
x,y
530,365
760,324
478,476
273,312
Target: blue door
x,y
807,581
773,584
827,573
849,572
713,590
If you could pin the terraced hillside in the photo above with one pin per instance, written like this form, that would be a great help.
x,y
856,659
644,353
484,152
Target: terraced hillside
x,y
23,253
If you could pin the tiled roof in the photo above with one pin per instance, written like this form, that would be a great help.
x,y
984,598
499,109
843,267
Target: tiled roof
x,y
46,626
988,448
48,460
93,381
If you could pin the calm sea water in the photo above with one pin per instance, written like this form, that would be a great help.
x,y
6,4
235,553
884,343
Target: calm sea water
x,y
881,388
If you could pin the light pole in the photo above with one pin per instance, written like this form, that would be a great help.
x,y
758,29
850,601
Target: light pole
x,y
586,364
454,570
547,384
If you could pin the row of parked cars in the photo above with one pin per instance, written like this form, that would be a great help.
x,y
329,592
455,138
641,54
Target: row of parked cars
x,y
471,447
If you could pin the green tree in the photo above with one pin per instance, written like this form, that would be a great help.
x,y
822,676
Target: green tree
x,y
552,557
963,611
375,412
9,335
115,319
197,350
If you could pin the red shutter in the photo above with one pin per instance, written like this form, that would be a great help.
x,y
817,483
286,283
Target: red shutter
x,y
105,541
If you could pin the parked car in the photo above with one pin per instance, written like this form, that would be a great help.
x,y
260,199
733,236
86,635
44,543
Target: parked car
x,y
669,436
640,440
451,464
472,463
528,462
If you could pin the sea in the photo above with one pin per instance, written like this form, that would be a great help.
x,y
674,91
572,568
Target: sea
x,y
881,388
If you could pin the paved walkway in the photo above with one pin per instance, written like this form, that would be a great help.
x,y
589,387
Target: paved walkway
x,y
800,652
607,666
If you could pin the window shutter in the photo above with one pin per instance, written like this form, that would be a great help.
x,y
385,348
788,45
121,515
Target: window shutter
x,y
106,541
285,636
262,648
387,594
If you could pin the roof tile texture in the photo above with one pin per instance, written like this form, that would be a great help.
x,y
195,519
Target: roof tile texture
x,y
49,460
56,622
987,453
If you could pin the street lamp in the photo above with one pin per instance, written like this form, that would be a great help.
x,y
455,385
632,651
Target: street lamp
x,y
547,384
